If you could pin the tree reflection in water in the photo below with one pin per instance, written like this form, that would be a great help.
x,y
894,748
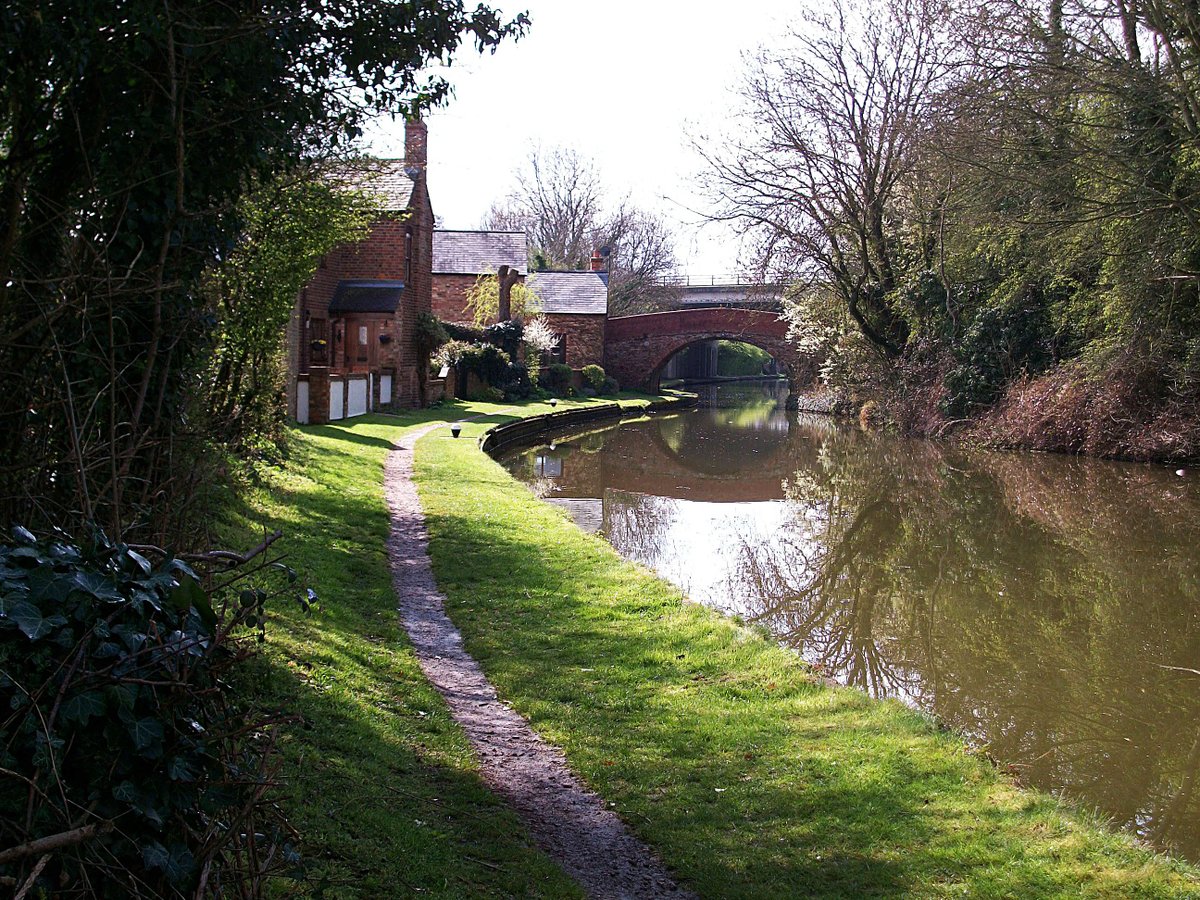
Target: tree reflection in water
x,y
922,574
1046,607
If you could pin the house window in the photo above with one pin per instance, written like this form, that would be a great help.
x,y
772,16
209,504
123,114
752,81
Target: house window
x,y
559,353
408,255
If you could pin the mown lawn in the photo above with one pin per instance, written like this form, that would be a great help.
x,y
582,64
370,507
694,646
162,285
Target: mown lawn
x,y
717,746
380,781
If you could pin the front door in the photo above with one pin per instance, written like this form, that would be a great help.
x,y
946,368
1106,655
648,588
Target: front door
x,y
362,334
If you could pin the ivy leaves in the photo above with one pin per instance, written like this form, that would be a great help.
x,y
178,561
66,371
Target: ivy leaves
x,y
114,698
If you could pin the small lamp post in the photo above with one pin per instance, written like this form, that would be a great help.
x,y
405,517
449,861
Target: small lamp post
x,y
456,429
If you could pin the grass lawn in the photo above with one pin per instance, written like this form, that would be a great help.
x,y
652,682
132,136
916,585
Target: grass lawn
x,y
381,782
717,746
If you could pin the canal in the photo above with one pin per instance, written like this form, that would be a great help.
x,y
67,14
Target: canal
x,y
1046,607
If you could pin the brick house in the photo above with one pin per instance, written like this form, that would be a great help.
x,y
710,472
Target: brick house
x,y
574,303
349,340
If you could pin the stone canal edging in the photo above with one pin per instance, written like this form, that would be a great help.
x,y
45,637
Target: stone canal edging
x,y
523,431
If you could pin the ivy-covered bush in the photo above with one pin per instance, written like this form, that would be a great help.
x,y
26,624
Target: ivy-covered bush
x,y
429,333
594,377
466,333
505,335
1003,341
488,362
126,767
556,378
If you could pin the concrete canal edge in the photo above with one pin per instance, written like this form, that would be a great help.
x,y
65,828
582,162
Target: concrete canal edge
x,y
524,431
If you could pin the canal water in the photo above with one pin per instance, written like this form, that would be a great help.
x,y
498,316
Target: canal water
x,y
1047,607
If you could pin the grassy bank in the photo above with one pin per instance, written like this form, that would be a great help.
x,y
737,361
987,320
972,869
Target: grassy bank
x,y
717,747
381,783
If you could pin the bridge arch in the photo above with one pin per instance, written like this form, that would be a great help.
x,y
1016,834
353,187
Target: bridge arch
x,y
637,347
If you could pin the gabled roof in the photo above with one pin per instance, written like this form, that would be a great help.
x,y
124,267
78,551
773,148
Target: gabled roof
x,y
366,297
584,293
387,179
477,252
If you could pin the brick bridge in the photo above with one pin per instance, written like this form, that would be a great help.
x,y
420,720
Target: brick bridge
x,y
637,347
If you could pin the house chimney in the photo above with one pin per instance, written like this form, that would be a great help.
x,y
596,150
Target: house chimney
x,y
598,262
416,143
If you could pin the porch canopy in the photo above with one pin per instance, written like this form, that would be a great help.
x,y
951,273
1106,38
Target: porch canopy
x,y
366,297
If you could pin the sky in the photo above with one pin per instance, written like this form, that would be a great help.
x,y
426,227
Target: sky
x,y
622,82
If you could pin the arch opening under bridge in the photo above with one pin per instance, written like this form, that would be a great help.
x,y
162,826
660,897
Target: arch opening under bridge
x,y
637,348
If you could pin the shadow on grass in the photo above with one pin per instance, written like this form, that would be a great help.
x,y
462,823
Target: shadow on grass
x,y
377,779
717,747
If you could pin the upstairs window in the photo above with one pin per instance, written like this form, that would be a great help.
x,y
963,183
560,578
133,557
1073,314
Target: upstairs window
x,y
408,236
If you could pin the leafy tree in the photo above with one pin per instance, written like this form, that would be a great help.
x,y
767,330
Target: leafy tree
x,y
129,135
288,225
483,299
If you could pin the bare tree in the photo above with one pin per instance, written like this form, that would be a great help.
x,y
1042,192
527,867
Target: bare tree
x,y
557,203
641,255
818,169
562,206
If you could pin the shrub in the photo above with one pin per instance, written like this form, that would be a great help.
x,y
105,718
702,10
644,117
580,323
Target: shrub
x,y
119,733
594,376
465,333
539,339
610,387
505,335
489,363
488,394
557,378
428,334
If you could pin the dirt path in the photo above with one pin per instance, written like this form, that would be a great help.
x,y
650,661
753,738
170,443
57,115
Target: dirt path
x,y
568,821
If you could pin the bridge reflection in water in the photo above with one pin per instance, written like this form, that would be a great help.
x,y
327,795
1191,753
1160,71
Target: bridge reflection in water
x,y
1047,607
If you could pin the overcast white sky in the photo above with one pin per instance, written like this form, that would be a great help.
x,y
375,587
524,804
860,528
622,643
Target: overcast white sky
x,y
622,82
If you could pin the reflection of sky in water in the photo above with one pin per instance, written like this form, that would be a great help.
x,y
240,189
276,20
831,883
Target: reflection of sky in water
x,y
700,546
1035,603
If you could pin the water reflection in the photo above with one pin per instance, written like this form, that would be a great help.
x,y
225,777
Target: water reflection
x,y
1047,607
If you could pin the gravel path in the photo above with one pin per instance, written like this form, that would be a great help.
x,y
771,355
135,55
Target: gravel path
x,y
566,819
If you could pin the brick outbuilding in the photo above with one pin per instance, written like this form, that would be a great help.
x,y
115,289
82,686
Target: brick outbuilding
x,y
460,257
575,305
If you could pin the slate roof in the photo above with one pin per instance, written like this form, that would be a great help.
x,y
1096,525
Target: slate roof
x,y
584,293
477,252
387,179
366,297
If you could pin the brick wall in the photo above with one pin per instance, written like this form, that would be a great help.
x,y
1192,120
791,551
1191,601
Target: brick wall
x,y
450,297
585,337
